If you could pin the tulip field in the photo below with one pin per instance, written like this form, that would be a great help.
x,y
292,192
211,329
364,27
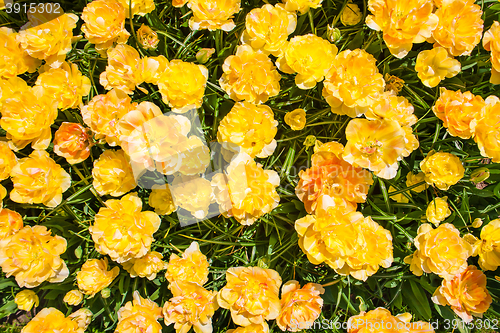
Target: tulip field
x,y
249,166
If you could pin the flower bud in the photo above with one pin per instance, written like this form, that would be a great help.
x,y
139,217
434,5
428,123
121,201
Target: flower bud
x,y
333,34
73,297
477,223
204,54
105,293
83,317
25,300
351,15
310,141
479,175
147,37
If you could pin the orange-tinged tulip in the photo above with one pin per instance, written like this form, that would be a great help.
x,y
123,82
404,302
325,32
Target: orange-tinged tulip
x,y
161,200
191,306
139,315
301,6
309,56
488,247
147,266
434,65
7,160
73,142
122,231
25,300
32,255
268,27
147,37
251,127
138,7
39,179
375,145
94,276
296,119
392,107
491,42
442,170
182,85
103,113
27,116
487,132
191,267
459,111
466,294
300,307
251,294
73,297
213,14
437,211
124,69
47,36
250,75
460,26
13,59
440,251
51,320
112,174
10,223
353,83
402,23
66,84
104,24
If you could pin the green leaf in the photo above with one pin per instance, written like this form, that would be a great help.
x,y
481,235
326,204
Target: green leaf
x,y
414,295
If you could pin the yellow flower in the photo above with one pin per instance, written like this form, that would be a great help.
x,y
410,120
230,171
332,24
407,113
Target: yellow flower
x,y
191,306
32,255
66,84
124,70
147,266
400,197
11,86
51,320
250,75
14,60
460,26
413,179
402,23
191,267
486,130
3,194
103,113
466,294
392,107
161,200
301,6
122,231
300,307
437,210
27,117
375,145
112,174
351,15
309,56
477,223
252,328
94,276
251,294
434,65
459,111
140,315
442,170
381,320
179,3
488,248
7,160
82,317
25,300
182,85
192,193
250,189
73,142
105,24
491,42
353,83
138,7
440,251
213,14
153,68
39,179
296,119
147,37
47,36
251,127
10,223
332,181
73,297
268,27
411,141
